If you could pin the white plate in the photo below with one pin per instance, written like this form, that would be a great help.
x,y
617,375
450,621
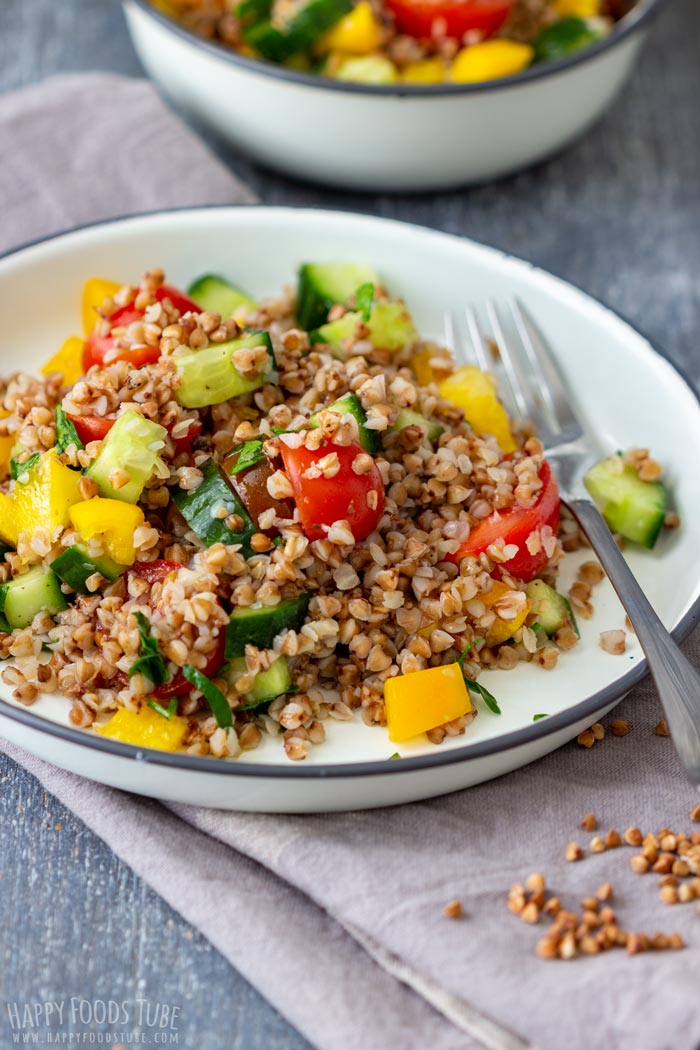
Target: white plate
x,y
627,392
399,137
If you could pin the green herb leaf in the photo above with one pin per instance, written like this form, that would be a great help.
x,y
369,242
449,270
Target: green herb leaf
x,y
216,699
66,434
249,453
17,469
395,755
150,663
536,627
467,648
167,712
536,718
364,297
481,690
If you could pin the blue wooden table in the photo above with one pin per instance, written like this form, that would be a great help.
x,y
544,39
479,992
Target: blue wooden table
x,y
618,214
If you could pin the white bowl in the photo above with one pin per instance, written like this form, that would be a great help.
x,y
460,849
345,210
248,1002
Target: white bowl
x,y
386,138
626,391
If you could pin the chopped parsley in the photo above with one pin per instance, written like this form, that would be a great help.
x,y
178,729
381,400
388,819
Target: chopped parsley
x,y
536,718
66,434
249,453
481,690
150,663
17,469
364,297
215,698
167,712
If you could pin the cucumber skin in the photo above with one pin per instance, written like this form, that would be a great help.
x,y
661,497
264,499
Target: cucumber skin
x,y
196,507
407,418
615,495
552,609
19,608
305,26
259,627
369,439
316,294
74,566
218,295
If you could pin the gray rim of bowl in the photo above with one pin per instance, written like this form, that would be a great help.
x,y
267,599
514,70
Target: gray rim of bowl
x,y
378,767
631,23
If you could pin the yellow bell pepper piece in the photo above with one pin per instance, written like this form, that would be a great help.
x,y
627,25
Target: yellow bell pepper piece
x,y
355,34
423,700
576,8
420,363
45,498
489,60
68,360
146,728
113,520
95,291
501,630
475,391
424,71
6,446
8,521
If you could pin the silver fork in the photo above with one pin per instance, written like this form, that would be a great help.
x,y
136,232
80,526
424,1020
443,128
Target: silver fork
x,y
540,395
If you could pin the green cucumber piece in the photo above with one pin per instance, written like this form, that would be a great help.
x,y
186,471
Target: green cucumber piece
x,y
321,285
267,684
633,508
39,590
133,444
201,507
367,69
259,625
408,418
390,327
218,295
564,37
294,27
551,609
248,12
74,566
350,403
209,376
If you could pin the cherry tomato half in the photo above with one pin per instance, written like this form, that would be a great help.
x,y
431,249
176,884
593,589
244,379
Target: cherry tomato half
x,y
184,443
515,526
180,301
355,498
154,571
418,17
91,428
179,685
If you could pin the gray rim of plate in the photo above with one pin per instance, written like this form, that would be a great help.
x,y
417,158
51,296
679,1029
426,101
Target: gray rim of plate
x,y
631,23
377,767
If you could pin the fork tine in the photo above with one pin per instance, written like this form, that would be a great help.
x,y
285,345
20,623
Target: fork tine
x,y
452,340
544,367
477,340
528,407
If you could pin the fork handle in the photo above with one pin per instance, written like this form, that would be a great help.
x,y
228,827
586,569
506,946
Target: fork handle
x,y
676,679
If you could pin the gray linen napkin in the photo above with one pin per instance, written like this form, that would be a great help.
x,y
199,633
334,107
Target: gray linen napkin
x,y
367,889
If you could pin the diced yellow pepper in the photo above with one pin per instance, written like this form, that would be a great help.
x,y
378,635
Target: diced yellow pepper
x,y
489,60
8,520
423,700
356,34
420,363
68,360
6,446
475,391
424,71
113,520
95,291
45,498
577,8
146,728
501,630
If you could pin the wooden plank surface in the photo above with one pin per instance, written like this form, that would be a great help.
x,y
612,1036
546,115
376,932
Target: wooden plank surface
x,y
618,214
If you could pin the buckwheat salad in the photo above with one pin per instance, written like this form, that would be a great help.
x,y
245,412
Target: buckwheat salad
x,y
223,519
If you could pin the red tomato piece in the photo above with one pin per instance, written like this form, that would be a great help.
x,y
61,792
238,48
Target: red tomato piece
x,y
515,526
91,428
418,17
180,301
154,571
182,444
347,496
179,685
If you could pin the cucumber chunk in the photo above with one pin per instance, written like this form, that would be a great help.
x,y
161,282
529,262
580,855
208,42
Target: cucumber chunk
x,y
390,327
294,26
133,444
201,510
39,590
350,403
215,293
408,418
565,36
209,376
632,507
551,609
259,625
322,285
367,69
74,566
267,684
